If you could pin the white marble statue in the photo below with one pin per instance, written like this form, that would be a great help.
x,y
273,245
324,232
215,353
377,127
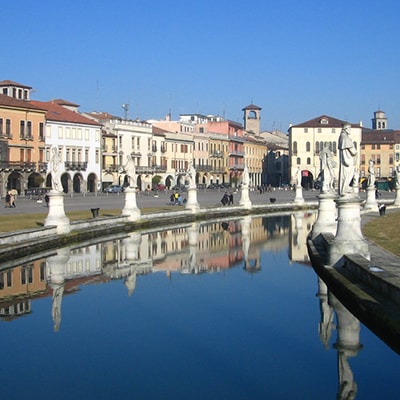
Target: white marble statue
x,y
348,161
191,173
371,174
56,170
245,177
130,171
327,169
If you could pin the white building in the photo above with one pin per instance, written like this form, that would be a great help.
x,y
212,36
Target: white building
x,y
307,139
78,142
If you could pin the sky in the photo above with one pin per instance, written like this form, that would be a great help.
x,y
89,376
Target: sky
x,y
295,59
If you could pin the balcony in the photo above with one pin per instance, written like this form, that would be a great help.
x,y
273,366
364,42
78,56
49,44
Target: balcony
x,y
217,170
75,166
203,168
163,149
111,168
160,168
144,170
22,166
237,153
216,154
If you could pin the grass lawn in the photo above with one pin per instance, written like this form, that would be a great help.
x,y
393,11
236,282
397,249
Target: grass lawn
x,y
383,232
18,222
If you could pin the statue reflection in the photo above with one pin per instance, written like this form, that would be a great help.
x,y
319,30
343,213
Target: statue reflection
x,y
56,277
250,264
347,345
131,246
326,325
190,265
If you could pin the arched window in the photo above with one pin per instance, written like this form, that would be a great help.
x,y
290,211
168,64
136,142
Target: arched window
x,y
298,161
294,147
308,147
308,160
317,148
252,115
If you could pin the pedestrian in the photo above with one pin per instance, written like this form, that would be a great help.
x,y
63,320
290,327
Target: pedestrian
x,y
8,198
230,199
47,199
176,196
180,199
225,199
12,200
377,193
172,199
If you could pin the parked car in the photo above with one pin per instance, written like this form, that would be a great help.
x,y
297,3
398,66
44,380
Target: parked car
x,y
159,187
179,187
114,189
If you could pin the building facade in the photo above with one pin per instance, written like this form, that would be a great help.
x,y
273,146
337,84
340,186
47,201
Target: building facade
x,y
308,139
22,139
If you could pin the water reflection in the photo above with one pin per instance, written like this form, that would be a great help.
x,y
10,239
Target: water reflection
x,y
188,249
191,249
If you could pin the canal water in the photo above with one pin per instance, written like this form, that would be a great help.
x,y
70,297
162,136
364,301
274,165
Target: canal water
x,y
223,310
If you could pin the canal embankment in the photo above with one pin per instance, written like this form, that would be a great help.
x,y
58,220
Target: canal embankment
x,y
369,288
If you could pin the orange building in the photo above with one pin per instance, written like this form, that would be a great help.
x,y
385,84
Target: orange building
x,y
22,141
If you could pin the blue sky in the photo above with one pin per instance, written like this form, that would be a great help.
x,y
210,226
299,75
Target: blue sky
x,y
296,60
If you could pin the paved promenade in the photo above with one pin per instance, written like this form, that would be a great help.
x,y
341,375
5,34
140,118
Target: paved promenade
x,y
206,198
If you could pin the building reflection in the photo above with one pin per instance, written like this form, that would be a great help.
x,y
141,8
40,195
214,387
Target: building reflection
x,y
194,248
300,227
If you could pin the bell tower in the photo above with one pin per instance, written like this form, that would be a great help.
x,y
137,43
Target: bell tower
x,y
252,118
379,121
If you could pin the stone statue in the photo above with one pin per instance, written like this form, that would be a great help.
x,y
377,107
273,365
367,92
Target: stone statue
x,y
396,178
130,171
327,173
245,177
348,160
191,173
298,177
371,172
56,170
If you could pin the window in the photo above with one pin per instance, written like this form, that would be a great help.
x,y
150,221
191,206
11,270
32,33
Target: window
x,y
8,127
41,131
29,129
308,160
294,147
305,130
298,160
22,129
308,147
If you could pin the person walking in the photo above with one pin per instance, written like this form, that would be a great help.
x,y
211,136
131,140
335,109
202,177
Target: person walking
x,y
12,200
8,198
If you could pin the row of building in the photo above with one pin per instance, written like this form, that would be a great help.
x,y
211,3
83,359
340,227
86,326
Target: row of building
x,y
94,146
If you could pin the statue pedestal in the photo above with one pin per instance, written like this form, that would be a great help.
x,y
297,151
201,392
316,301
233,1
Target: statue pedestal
x,y
326,220
131,209
56,215
299,195
371,203
397,197
192,203
244,197
348,239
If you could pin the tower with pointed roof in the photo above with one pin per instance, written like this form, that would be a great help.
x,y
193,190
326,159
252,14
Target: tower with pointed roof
x,y
252,118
